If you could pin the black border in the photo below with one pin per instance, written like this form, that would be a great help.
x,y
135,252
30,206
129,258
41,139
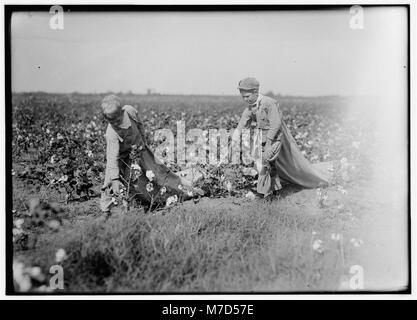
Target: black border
x,y
8,11
262,309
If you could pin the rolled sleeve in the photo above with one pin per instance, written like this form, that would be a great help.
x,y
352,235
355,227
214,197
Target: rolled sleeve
x,y
275,118
112,155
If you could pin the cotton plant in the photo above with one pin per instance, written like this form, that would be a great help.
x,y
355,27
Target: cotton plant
x,y
128,193
135,172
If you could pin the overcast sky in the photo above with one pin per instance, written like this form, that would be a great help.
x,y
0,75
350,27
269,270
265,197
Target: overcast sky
x,y
293,53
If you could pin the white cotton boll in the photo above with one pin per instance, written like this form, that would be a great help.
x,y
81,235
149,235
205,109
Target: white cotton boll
x,y
171,200
149,187
250,195
135,166
150,175
60,255
318,245
163,190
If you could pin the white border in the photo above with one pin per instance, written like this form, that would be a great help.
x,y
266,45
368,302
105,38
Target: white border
x,y
220,296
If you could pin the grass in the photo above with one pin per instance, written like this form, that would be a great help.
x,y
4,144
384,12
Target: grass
x,y
229,248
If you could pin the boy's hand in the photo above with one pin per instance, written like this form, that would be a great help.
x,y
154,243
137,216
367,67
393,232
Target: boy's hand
x,y
116,185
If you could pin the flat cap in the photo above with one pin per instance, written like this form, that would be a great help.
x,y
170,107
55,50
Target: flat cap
x,y
248,84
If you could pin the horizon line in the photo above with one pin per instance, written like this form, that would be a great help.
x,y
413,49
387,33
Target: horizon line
x,y
192,94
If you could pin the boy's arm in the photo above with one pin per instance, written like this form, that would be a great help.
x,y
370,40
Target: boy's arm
x,y
112,156
275,118
244,122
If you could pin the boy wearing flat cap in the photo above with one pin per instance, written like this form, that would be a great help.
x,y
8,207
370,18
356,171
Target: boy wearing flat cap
x,y
281,158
